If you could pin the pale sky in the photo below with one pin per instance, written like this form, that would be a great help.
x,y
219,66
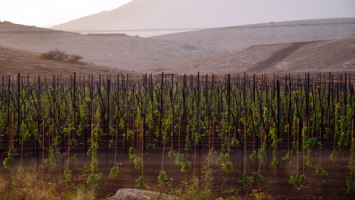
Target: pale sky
x,y
45,13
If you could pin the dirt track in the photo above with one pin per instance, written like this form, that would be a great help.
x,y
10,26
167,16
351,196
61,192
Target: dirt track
x,y
277,57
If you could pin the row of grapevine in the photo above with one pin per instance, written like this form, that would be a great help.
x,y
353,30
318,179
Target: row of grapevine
x,y
267,119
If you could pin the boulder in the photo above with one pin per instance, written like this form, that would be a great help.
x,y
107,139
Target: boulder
x,y
138,194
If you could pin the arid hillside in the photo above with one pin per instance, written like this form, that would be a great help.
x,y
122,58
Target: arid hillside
x,y
285,47
241,37
296,57
114,50
13,61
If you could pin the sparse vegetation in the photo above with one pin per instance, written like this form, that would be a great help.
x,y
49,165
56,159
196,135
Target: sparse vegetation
x,y
30,185
59,55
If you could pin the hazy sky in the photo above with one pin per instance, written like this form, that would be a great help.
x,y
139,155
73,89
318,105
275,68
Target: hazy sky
x,y
52,12
47,13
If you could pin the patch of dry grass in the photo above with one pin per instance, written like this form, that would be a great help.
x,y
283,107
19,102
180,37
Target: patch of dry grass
x,y
29,185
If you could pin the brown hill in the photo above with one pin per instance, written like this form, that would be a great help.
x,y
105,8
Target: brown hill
x,y
297,57
241,37
300,46
13,61
115,50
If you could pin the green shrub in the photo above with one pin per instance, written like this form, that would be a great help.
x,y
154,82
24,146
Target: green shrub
x,y
296,180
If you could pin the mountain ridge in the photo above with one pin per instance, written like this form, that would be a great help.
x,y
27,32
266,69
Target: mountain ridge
x,y
201,14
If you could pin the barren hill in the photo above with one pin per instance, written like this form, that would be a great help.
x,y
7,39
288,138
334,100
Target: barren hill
x,y
241,37
115,50
152,17
13,61
297,46
297,57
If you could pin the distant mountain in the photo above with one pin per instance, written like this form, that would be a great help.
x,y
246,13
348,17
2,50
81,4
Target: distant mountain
x,y
155,17
241,37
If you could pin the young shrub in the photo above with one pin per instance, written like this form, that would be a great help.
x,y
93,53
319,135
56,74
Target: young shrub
x,y
150,146
321,172
113,172
163,177
67,175
138,162
258,177
227,167
140,182
94,178
171,154
179,158
185,166
10,157
132,153
296,180
247,180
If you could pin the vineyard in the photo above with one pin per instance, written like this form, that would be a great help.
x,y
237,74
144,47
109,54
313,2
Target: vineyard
x,y
233,133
